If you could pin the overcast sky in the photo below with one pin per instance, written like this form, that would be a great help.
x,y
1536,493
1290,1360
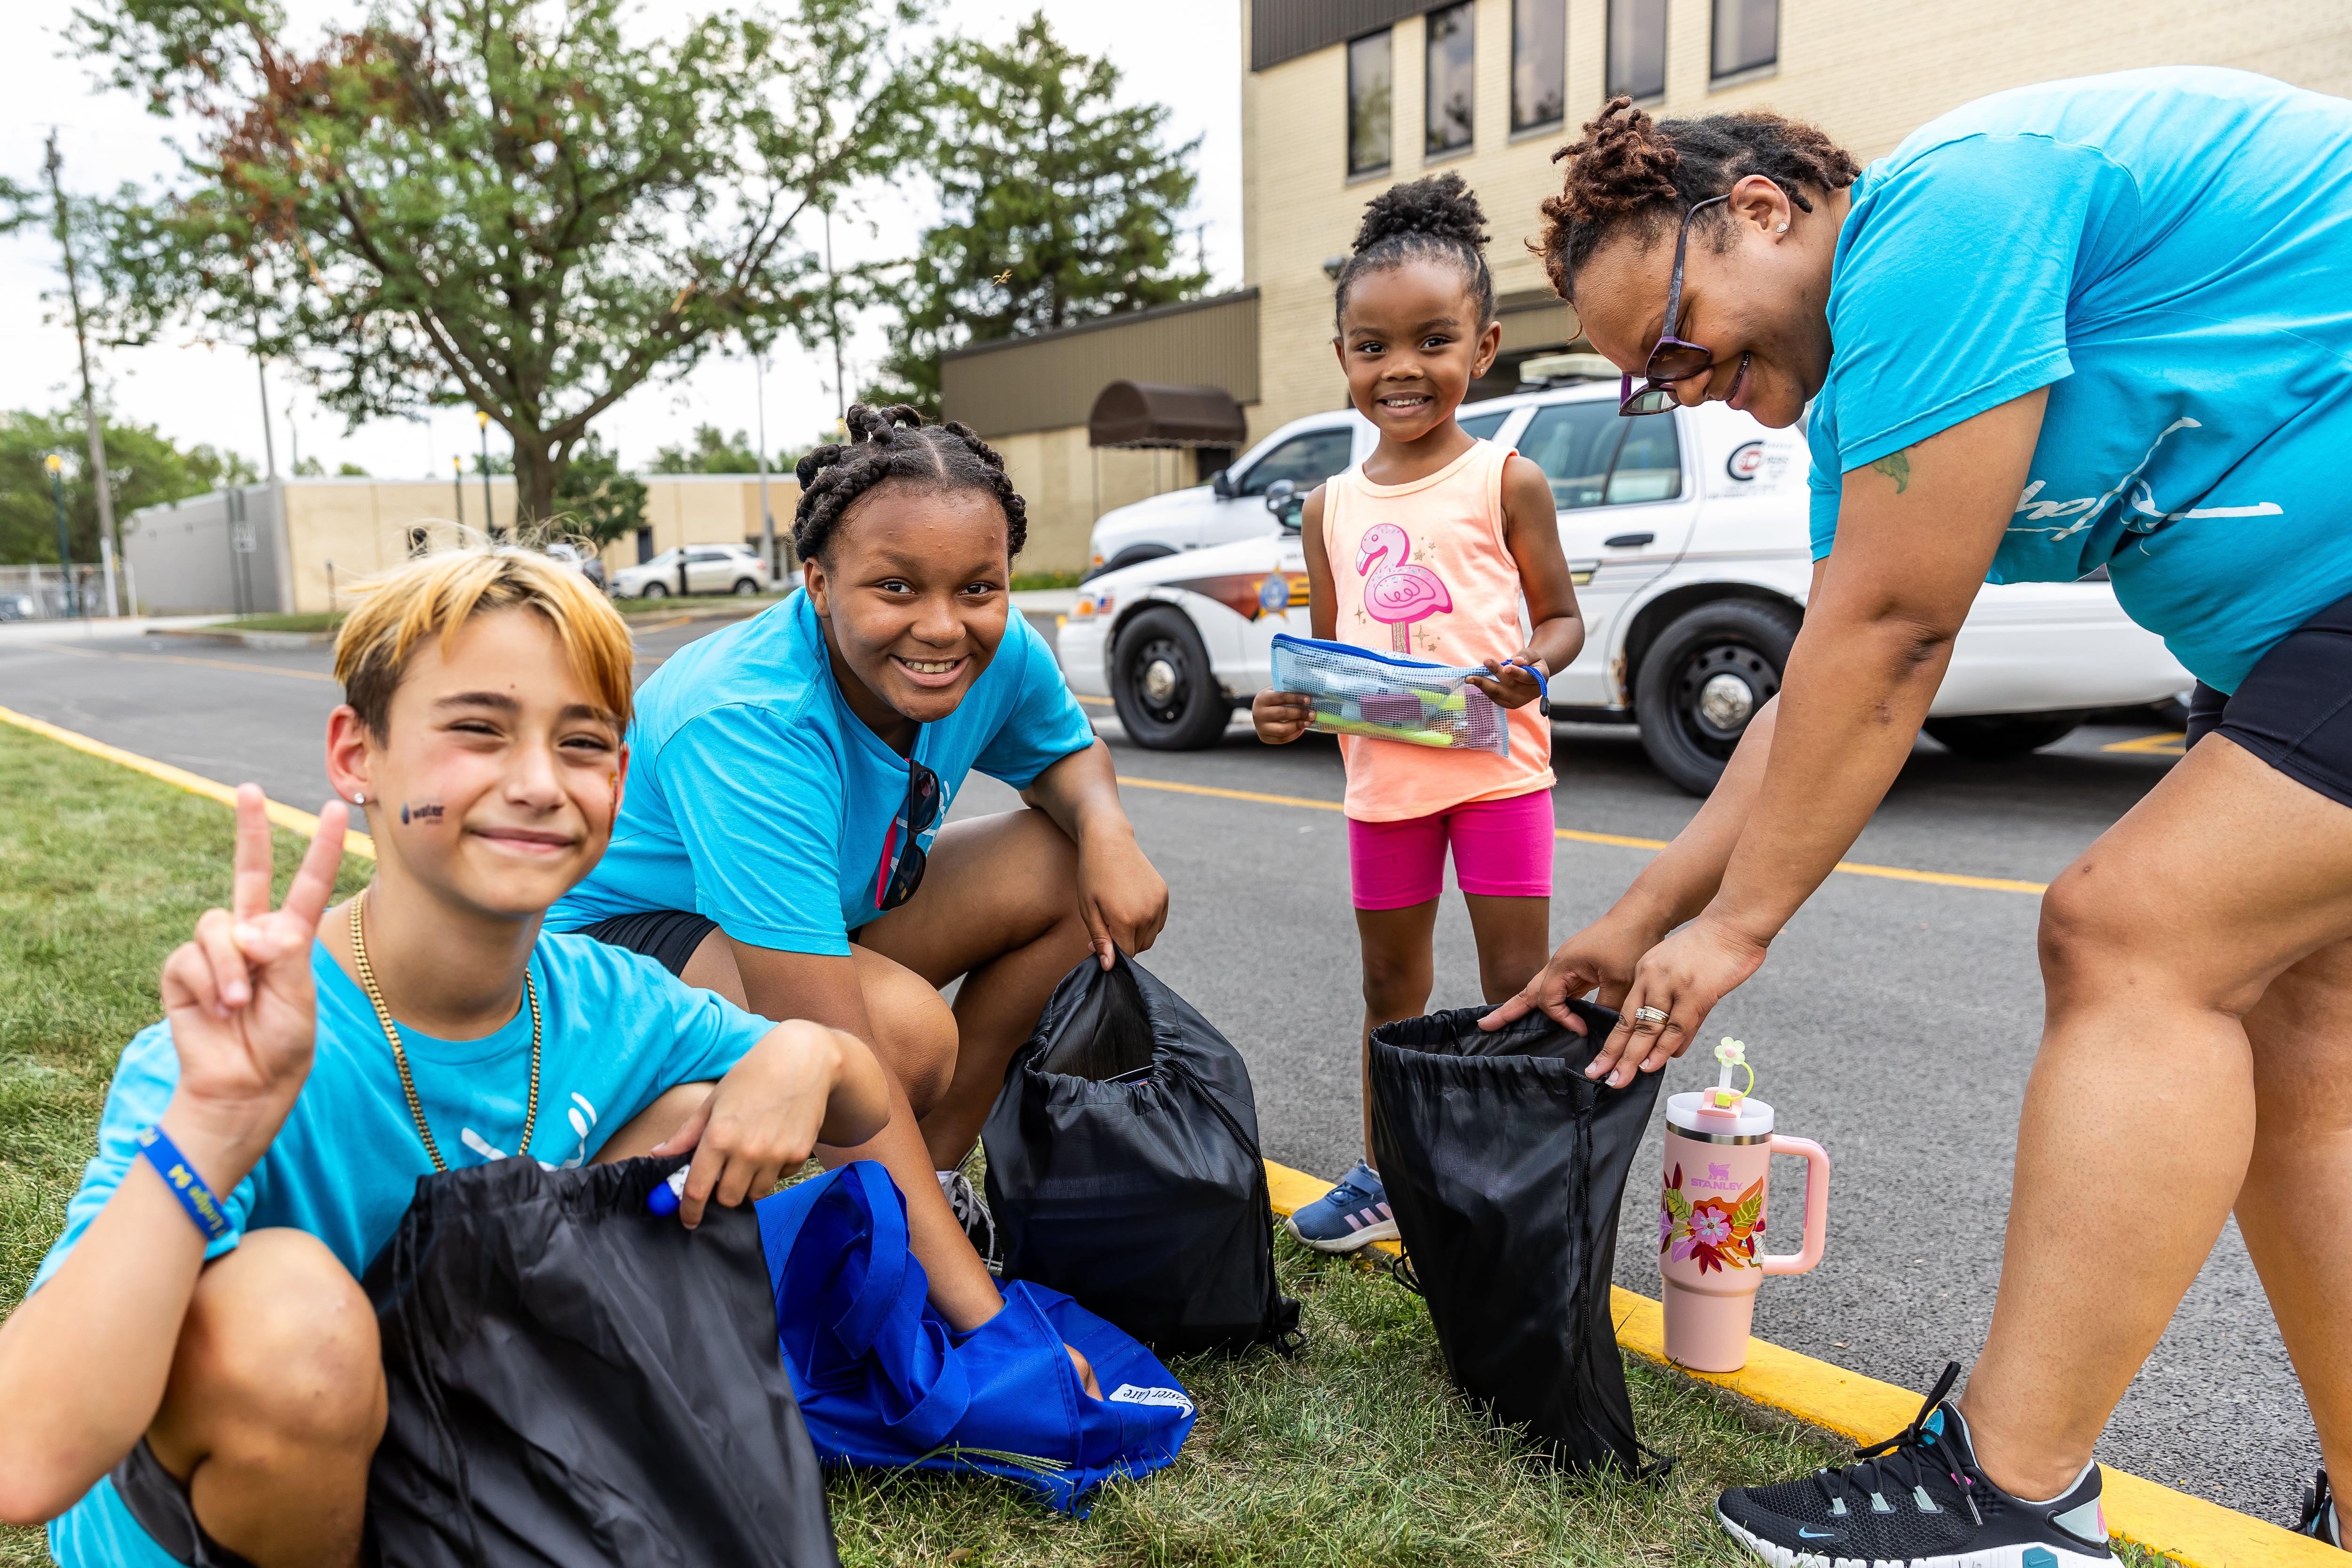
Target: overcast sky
x,y
1187,56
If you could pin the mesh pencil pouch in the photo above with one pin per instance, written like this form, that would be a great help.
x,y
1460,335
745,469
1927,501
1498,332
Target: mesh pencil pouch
x,y
1356,691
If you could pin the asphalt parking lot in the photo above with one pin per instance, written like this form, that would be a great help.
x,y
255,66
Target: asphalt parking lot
x,y
1894,1024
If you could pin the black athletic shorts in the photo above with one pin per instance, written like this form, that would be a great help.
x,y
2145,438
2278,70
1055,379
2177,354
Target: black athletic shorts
x,y
2295,707
668,937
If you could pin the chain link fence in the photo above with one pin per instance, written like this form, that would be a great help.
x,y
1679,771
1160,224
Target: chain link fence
x,y
45,593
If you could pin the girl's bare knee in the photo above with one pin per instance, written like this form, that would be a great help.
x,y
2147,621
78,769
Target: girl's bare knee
x,y
915,1030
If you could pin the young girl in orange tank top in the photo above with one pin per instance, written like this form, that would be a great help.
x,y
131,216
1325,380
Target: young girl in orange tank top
x,y
1428,551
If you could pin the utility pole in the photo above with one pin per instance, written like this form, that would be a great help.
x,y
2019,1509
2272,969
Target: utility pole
x,y
261,373
767,517
57,467
293,440
106,533
833,318
489,527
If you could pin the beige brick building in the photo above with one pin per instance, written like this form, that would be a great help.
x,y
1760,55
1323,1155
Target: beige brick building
x,y
1868,73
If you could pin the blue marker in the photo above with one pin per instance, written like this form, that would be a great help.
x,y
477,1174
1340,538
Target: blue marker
x,y
663,1201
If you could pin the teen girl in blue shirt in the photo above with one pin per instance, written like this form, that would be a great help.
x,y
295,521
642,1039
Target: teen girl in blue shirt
x,y
780,841
2097,323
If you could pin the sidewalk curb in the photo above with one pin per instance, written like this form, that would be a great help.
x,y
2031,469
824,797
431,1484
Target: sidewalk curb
x,y
2192,1531
275,641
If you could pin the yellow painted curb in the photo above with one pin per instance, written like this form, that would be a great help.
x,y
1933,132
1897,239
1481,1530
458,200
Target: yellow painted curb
x,y
1621,840
285,816
2197,1533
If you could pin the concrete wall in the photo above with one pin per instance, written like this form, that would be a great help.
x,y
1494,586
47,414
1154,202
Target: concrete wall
x,y
184,560
352,528
1869,73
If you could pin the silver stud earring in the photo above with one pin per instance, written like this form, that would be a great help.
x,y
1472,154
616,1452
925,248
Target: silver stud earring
x,y
359,797
1783,230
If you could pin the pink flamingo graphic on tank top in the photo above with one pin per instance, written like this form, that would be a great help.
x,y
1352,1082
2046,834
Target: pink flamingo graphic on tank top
x,y
1397,594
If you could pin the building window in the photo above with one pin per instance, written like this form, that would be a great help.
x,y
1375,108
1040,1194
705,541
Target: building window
x,y
1538,62
1637,47
1453,69
1368,103
1747,35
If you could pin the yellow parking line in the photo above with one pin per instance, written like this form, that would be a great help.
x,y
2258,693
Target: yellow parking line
x,y
1620,840
2172,743
2189,1530
184,659
285,816
1094,702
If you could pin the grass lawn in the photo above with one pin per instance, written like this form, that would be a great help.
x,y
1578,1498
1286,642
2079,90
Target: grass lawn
x,y
1356,1452
317,621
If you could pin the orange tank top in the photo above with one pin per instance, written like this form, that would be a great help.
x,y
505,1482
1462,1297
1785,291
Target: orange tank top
x,y
1423,570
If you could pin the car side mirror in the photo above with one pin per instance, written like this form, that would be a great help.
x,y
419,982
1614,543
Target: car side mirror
x,y
1289,505
1221,485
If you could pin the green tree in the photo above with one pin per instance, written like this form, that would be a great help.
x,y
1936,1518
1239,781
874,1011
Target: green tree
x,y
521,206
146,469
598,501
1058,207
711,451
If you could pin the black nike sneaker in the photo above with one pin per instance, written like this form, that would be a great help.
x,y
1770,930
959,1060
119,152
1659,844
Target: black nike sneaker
x,y
2319,1521
1916,1500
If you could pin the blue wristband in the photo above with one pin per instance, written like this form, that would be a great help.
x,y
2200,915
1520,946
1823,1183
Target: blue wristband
x,y
203,1209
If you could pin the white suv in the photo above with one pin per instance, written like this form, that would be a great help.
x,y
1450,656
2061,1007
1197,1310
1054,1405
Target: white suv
x,y
1687,537
1232,506
696,569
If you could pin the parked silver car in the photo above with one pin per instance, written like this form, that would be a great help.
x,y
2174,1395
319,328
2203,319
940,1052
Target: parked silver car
x,y
694,569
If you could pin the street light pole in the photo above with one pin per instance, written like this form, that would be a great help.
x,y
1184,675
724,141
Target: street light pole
x,y
57,467
767,517
489,526
457,493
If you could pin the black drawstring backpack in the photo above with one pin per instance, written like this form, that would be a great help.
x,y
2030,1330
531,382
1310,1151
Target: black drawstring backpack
x,y
1503,1166
1123,1168
573,1380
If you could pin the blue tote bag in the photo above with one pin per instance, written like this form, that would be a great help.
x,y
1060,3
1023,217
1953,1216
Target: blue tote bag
x,y
883,1381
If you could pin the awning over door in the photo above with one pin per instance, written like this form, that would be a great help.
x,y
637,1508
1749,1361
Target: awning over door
x,y
1152,414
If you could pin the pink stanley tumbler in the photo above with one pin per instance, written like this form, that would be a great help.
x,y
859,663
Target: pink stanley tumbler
x,y
1711,1212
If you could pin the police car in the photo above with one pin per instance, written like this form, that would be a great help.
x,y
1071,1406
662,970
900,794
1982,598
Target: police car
x,y
1687,533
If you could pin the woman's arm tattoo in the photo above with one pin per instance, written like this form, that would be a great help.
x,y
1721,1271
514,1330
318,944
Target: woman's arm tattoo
x,y
1896,466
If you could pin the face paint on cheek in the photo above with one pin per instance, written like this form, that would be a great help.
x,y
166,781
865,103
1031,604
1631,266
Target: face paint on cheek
x,y
419,811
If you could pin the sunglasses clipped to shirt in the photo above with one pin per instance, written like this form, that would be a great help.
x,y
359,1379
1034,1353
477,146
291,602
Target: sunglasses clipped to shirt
x,y
904,859
1673,360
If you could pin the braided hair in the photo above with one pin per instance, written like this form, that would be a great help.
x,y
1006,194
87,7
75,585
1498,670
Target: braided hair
x,y
1630,170
891,444
1436,218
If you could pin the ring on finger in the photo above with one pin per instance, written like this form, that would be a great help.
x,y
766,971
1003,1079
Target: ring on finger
x,y
1651,1016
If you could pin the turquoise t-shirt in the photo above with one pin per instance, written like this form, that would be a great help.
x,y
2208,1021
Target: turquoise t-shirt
x,y
2169,252
758,799
617,1030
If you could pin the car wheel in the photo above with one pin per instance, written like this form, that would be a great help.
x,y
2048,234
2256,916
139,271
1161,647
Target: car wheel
x,y
653,590
1703,680
1994,737
1161,684
746,586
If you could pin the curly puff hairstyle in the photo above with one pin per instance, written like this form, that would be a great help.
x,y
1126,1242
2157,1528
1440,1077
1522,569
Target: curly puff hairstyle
x,y
1633,171
1436,219
894,444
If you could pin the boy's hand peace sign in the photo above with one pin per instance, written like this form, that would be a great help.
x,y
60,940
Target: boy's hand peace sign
x,y
240,999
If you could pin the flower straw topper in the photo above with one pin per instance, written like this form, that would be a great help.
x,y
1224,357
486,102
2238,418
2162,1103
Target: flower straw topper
x,y
1731,1054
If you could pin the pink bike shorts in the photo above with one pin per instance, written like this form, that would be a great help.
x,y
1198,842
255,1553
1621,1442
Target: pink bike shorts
x,y
1502,849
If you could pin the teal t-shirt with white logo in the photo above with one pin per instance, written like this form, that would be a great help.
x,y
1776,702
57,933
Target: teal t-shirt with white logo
x,y
2169,252
616,1031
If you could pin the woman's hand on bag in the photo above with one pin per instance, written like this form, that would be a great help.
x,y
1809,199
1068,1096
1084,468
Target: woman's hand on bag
x,y
1601,955
1121,897
243,1007
1280,717
1682,978
767,1114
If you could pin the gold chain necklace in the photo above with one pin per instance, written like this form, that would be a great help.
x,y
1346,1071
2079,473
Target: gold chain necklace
x,y
400,1056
